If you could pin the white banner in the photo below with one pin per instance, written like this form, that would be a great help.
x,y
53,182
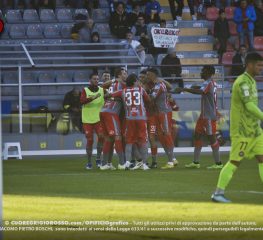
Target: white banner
x,y
164,37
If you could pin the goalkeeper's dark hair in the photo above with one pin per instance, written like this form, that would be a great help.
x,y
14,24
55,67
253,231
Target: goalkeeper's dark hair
x,y
131,79
253,57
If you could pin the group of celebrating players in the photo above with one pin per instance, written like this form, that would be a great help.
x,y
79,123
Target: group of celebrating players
x,y
129,111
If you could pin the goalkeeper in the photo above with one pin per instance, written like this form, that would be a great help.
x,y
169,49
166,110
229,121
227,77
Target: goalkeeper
x,y
245,131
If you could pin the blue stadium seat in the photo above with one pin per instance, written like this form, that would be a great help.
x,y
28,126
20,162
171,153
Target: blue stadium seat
x,y
10,78
52,31
64,76
14,16
81,76
160,58
47,15
82,11
66,30
30,15
6,118
104,4
30,77
34,31
101,15
6,107
17,31
149,60
103,29
47,77
64,15
35,104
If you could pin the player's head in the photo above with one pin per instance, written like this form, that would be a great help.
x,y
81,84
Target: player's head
x,y
105,76
254,63
152,74
94,79
142,76
121,73
207,72
131,80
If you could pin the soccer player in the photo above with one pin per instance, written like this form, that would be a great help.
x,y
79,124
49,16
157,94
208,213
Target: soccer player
x,y
206,123
164,116
92,100
111,124
134,97
245,131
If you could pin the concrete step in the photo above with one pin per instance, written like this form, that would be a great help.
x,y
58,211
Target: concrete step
x,y
196,54
195,61
194,47
195,39
193,31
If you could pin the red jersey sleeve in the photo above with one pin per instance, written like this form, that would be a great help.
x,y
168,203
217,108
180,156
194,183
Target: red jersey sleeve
x,y
117,94
146,97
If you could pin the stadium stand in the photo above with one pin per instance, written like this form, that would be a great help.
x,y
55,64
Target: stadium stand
x,y
64,15
229,11
212,13
14,16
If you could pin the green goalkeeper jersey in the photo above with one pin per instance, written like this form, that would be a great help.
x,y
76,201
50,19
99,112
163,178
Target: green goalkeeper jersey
x,y
242,122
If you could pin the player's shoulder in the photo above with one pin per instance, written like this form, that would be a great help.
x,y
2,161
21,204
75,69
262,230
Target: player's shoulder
x,y
241,80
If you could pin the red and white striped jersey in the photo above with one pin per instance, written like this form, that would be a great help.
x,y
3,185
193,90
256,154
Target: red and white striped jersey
x,y
160,97
134,99
114,106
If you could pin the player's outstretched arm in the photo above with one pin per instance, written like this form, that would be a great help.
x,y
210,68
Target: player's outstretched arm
x,y
167,84
190,90
254,110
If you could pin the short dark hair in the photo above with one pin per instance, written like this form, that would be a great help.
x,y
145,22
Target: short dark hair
x,y
153,70
129,31
144,71
93,74
253,57
117,71
131,79
209,69
163,21
221,11
106,71
242,45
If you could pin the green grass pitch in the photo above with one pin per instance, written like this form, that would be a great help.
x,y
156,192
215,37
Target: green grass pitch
x,y
60,189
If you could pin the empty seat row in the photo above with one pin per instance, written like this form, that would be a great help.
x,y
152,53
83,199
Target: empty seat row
x,y
45,15
47,76
36,31
212,13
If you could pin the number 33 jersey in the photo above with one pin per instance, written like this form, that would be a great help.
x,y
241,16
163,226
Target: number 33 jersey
x,y
134,99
